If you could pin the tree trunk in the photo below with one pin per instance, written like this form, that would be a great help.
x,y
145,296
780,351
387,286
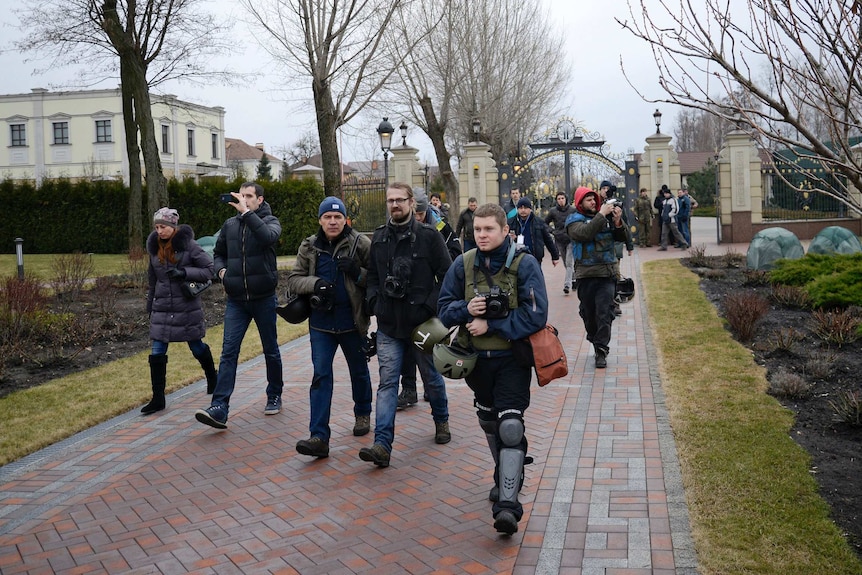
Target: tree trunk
x,y
437,133
326,127
133,151
134,80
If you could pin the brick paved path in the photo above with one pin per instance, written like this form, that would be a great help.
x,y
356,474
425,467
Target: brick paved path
x,y
165,494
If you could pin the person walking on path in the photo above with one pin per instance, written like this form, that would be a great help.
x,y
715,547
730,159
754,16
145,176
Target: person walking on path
x,y
245,263
670,209
657,204
556,219
644,214
464,227
500,384
511,205
407,263
332,268
175,257
532,232
593,229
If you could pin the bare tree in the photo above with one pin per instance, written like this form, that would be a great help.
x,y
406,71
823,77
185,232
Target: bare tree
x,y
145,42
492,60
789,70
342,46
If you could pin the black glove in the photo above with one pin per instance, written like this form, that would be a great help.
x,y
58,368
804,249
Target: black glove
x,y
322,288
349,268
175,273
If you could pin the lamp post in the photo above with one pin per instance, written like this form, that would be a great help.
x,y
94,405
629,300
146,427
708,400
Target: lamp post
x,y
385,131
425,179
19,255
657,117
477,128
403,128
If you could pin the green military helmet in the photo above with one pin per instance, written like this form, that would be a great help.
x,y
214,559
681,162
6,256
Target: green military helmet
x,y
454,362
429,333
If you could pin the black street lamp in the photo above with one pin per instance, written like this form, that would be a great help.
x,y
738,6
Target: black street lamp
x,y
385,131
403,128
657,117
477,128
425,180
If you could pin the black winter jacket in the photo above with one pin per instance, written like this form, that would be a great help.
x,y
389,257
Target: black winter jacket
x,y
416,255
246,250
174,317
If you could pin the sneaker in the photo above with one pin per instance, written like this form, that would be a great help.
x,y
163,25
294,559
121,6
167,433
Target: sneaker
x,y
214,416
505,522
442,434
362,426
376,454
273,405
406,399
314,446
566,290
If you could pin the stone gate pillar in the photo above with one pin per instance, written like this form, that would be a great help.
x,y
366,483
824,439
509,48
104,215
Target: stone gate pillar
x,y
477,176
659,166
404,166
741,188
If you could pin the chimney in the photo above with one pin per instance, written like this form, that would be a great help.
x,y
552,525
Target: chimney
x,y
259,146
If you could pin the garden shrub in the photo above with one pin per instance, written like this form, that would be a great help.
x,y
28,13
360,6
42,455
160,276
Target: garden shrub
x,y
785,383
804,270
743,311
848,408
837,327
837,290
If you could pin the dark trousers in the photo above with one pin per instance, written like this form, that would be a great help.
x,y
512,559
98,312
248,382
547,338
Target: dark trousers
x,y
596,309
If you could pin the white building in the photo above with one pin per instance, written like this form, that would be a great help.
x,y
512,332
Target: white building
x,y
81,135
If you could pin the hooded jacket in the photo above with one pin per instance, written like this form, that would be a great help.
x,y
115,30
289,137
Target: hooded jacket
x,y
246,250
593,237
530,316
174,317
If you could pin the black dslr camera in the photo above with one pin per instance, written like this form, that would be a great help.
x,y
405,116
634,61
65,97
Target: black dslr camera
x,y
394,287
322,303
496,303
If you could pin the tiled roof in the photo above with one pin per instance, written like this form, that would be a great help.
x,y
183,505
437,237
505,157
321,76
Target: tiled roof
x,y
237,150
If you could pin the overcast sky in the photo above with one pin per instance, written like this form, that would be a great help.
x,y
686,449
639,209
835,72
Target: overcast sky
x,y
600,98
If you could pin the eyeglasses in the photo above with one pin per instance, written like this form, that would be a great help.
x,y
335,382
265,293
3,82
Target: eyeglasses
x,y
393,201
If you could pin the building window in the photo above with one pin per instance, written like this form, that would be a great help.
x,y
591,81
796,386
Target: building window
x,y
61,132
103,131
190,136
166,139
19,134
215,145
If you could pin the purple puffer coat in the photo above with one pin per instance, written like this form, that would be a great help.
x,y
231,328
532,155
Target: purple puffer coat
x,y
174,317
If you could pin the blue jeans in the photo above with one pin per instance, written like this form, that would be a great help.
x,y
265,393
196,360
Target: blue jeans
x,y
198,347
237,317
390,352
684,229
323,347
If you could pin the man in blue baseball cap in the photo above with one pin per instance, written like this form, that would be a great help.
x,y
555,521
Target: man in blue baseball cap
x,y
332,267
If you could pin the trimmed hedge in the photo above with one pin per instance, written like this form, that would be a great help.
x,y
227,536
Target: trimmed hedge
x,y
92,217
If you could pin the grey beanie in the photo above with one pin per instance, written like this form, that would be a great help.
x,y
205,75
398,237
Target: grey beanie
x,y
421,199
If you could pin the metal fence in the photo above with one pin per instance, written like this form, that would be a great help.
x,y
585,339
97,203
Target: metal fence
x,y
365,200
792,195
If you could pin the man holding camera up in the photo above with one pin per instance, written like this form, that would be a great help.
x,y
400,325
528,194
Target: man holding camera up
x,y
593,229
331,266
496,294
244,257
407,263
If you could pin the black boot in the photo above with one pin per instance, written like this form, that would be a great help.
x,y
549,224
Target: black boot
x,y
206,361
158,372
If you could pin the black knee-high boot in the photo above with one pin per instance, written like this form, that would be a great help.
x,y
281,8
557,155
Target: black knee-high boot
x,y
158,376
208,365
